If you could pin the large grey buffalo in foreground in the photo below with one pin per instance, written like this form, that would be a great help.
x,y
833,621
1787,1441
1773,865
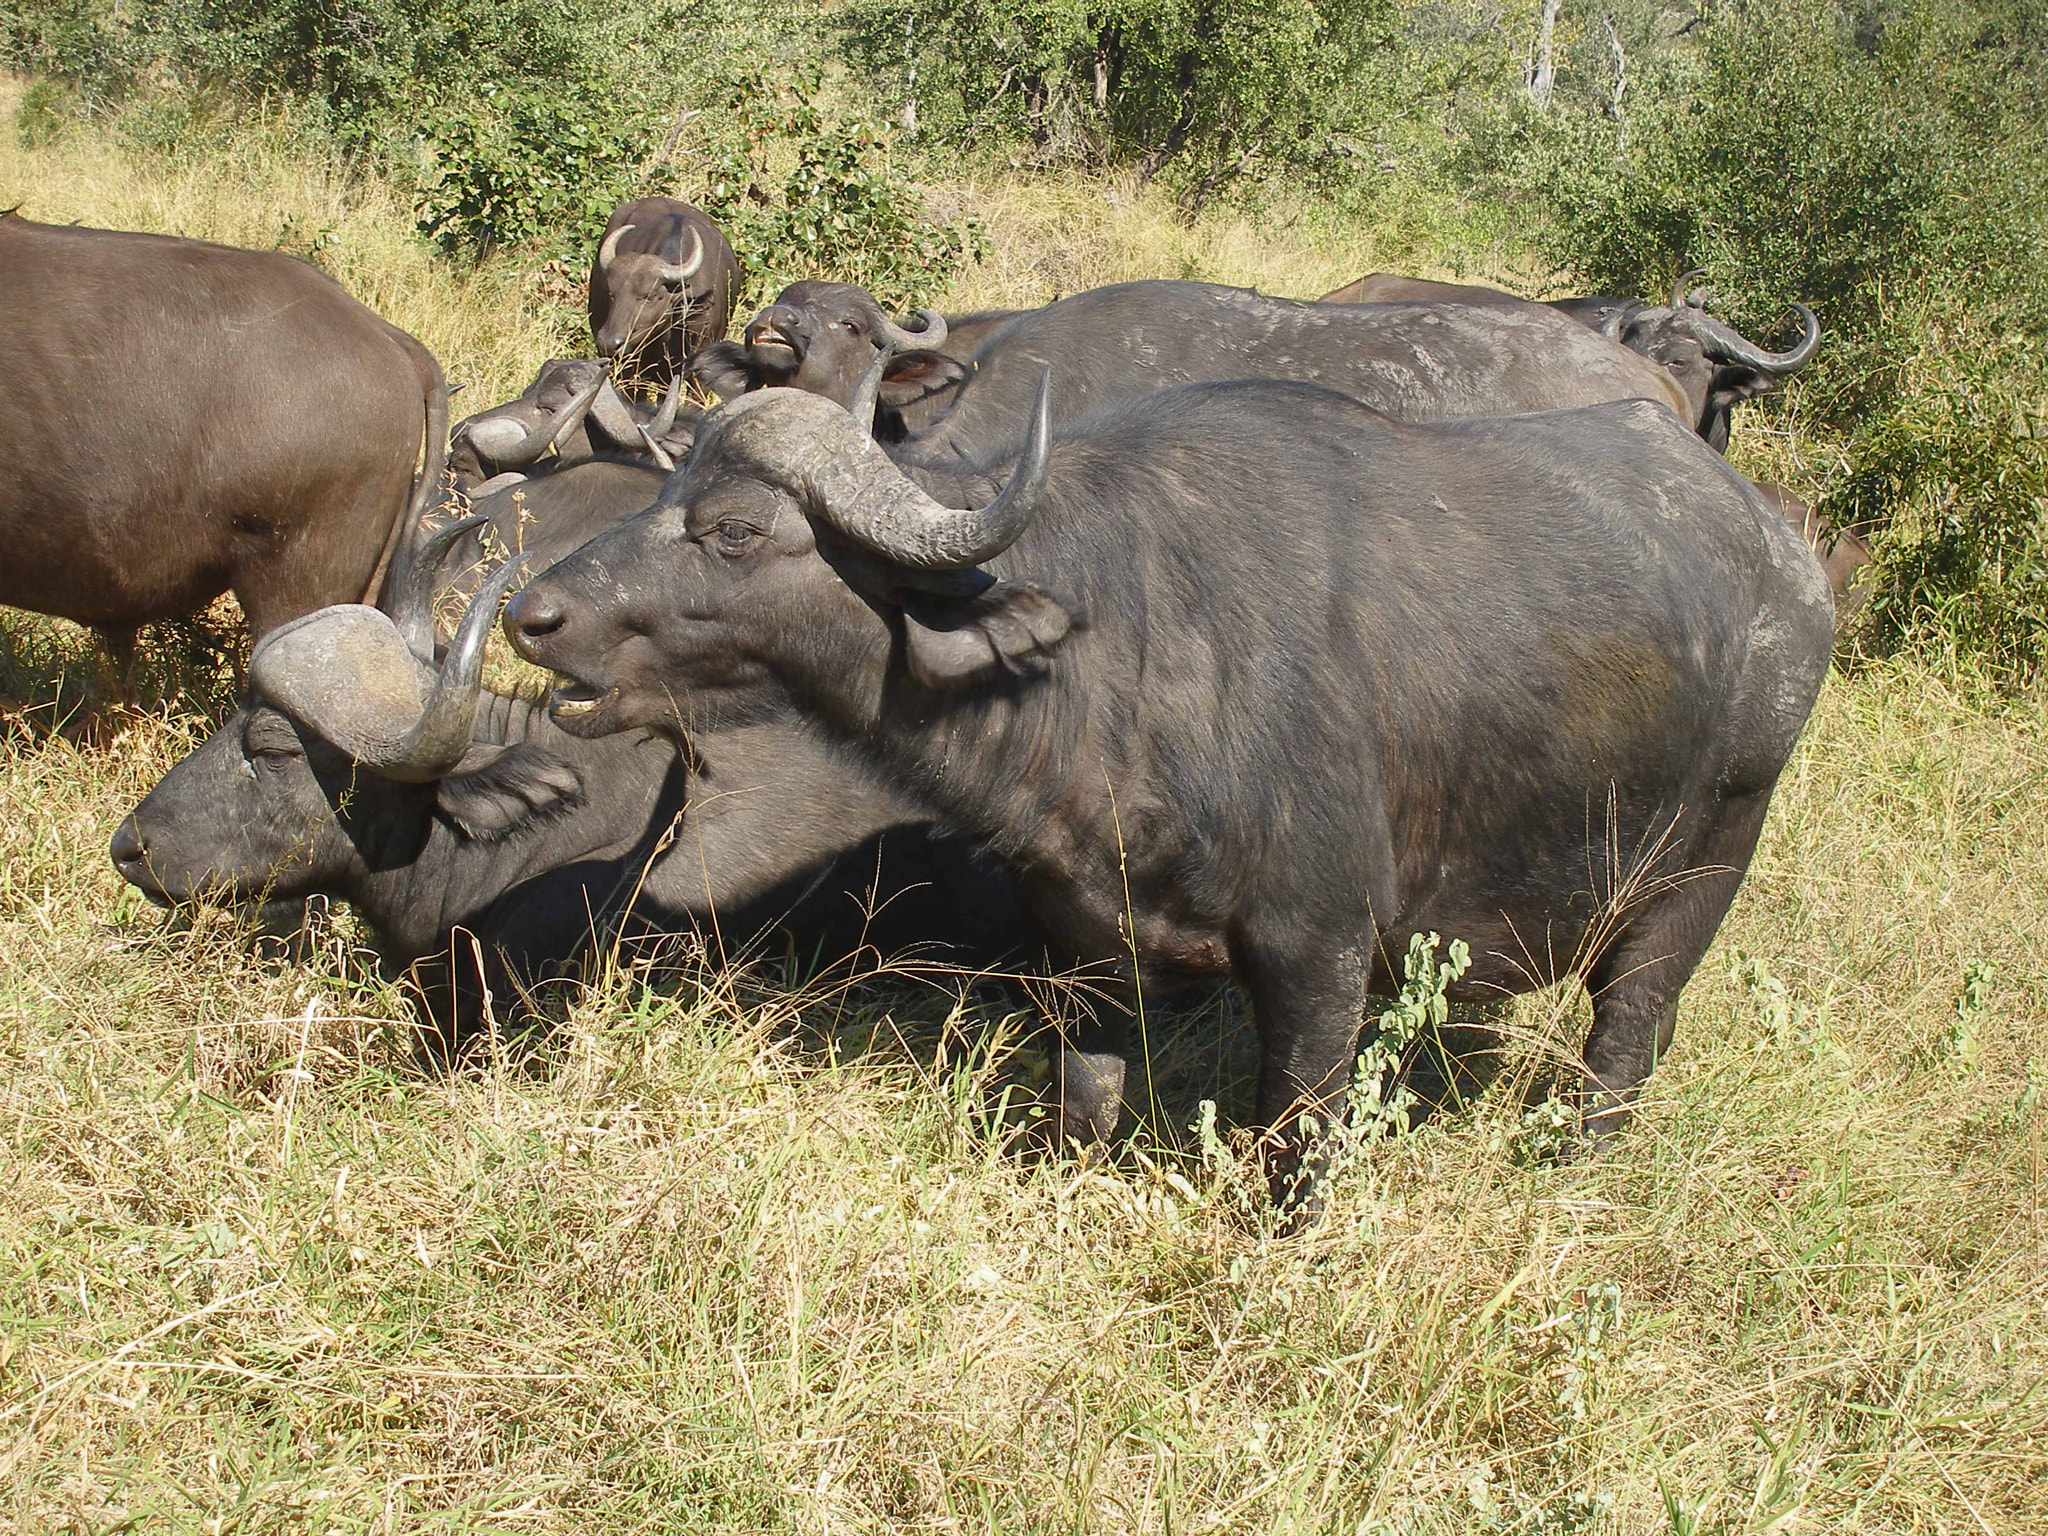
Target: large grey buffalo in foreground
x,y
663,284
1246,679
258,431
488,851
1411,362
1716,366
821,337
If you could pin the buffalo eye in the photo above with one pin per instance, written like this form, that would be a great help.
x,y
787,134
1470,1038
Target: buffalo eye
x,y
734,537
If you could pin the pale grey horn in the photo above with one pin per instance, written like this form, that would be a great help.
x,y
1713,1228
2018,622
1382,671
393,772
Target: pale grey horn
x,y
1681,291
662,461
495,484
411,605
440,738
553,430
1726,345
609,251
822,456
665,418
867,390
610,411
682,272
931,331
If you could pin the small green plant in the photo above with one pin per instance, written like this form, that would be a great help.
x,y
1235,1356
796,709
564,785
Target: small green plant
x,y
1381,1100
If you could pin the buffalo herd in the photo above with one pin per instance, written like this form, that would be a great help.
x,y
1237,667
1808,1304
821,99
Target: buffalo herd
x,y
1169,631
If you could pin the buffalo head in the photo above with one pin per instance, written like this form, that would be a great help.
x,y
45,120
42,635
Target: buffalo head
x,y
650,295
789,567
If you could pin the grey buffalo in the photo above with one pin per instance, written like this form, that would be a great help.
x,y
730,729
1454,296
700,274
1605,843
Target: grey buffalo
x,y
1716,366
1247,680
1109,345
570,411
489,851
276,438
663,284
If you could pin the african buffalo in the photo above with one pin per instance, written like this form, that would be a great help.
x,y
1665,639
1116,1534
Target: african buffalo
x,y
1412,362
820,337
488,851
271,431
1247,679
1717,367
1844,554
569,412
663,284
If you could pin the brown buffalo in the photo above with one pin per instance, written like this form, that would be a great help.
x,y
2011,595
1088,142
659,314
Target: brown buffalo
x,y
663,284
189,419
1843,552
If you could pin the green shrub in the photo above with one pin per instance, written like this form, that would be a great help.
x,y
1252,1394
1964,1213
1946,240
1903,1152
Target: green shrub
x,y
804,195
529,166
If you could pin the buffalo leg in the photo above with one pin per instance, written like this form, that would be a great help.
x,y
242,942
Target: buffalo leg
x,y
1308,1014
1636,982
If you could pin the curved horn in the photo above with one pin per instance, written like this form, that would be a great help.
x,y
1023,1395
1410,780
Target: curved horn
x,y
682,272
608,252
1681,296
665,418
610,412
411,606
931,331
867,390
666,464
1728,346
495,484
820,455
551,431
440,737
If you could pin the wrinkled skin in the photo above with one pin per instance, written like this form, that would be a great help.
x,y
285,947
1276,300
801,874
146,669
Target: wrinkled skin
x,y
552,389
496,881
1713,385
1267,684
547,516
259,431
647,324
820,337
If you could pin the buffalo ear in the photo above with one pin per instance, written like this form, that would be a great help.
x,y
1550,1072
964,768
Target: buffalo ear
x,y
951,642
913,375
721,367
508,790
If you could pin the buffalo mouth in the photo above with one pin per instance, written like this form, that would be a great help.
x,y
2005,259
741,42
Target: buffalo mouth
x,y
583,710
780,347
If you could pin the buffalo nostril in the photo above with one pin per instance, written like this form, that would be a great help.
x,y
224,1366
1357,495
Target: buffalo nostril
x,y
531,616
128,849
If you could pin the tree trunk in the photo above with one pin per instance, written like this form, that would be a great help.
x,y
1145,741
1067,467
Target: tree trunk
x,y
1541,74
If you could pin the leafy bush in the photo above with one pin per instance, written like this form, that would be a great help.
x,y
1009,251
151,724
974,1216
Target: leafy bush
x,y
1204,91
804,195
518,166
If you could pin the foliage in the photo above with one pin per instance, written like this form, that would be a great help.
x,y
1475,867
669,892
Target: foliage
x,y
1206,91
532,166
802,194
1380,1101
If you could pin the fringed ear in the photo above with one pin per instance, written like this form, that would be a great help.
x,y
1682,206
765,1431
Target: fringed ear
x,y
721,368
507,790
952,642
913,375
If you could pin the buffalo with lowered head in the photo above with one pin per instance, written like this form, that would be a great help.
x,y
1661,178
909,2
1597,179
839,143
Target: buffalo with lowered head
x,y
1716,366
821,337
1247,680
663,284
491,853
275,438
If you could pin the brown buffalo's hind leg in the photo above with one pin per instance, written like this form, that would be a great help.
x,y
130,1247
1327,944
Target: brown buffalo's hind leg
x,y
1636,982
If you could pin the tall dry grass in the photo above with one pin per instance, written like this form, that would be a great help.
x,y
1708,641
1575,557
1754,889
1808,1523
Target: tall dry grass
x,y
730,1260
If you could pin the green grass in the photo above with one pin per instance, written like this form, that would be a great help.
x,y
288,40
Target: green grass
x,y
733,1259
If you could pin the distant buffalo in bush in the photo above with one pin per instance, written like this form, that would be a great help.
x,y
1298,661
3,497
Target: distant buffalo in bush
x,y
1843,553
1716,366
189,419
663,284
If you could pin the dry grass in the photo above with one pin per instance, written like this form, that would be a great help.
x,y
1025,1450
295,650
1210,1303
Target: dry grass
x,y
732,1262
